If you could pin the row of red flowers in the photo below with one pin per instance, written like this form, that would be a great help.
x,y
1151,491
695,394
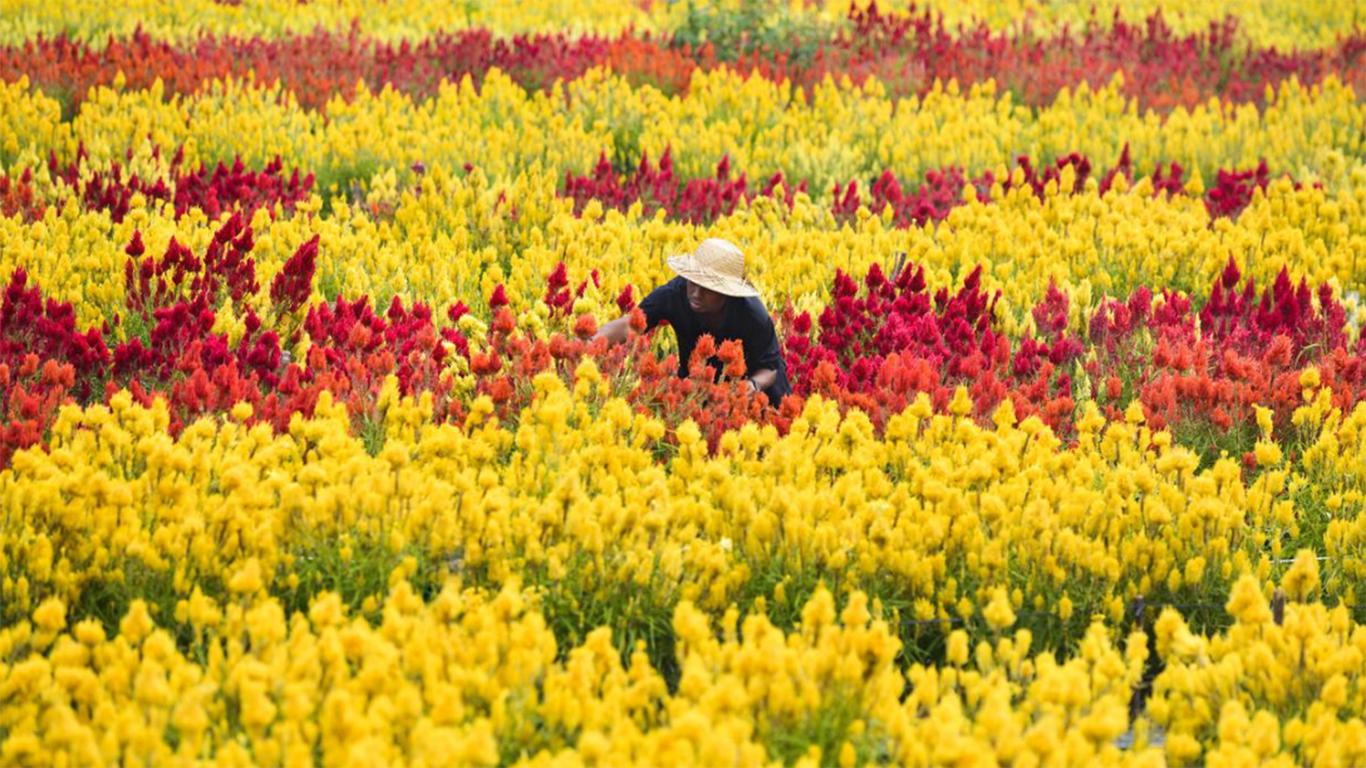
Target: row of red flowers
x,y
215,190
909,53
700,201
1199,373
875,346
227,188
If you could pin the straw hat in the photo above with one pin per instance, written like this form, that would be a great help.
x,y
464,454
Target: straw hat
x,y
716,264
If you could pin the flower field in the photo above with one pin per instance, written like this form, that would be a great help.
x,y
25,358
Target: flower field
x,y
309,453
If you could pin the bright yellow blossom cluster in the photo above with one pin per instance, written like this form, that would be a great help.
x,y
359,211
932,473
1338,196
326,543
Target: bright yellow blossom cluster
x,y
1287,26
945,519
393,21
477,678
1285,685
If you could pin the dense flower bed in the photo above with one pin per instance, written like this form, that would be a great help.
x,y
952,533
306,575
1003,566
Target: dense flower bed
x,y
1162,69
656,188
309,454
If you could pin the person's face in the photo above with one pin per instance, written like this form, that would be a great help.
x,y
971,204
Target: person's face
x,y
704,301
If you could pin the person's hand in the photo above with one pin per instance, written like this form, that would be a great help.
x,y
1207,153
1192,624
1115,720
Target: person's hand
x,y
753,388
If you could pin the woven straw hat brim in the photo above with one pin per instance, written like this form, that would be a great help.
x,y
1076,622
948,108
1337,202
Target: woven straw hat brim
x,y
685,265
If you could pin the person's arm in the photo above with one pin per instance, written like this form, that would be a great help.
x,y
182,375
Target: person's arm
x,y
615,331
762,350
657,306
762,379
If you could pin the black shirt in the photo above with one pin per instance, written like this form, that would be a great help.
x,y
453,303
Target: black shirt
x,y
744,319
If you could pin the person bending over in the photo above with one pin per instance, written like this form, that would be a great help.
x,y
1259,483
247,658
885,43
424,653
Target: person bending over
x,y
711,295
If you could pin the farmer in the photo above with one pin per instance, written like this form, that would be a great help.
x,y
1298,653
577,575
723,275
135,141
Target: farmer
x,y
711,295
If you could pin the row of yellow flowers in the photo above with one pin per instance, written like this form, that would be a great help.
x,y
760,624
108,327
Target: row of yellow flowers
x,y
472,678
475,677
391,22
835,133
1282,23
1311,24
926,517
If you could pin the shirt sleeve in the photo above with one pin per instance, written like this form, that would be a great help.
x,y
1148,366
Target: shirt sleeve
x,y
662,304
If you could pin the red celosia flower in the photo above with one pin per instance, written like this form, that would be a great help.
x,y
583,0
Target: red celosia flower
x,y
626,300
501,389
1113,387
557,295
732,356
291,287
637,321
485,363
585,326
504,322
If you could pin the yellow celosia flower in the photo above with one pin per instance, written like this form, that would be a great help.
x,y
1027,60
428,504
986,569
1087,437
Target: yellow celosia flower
x,y
998,612
1247,604
50,616
1301,582
247,579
